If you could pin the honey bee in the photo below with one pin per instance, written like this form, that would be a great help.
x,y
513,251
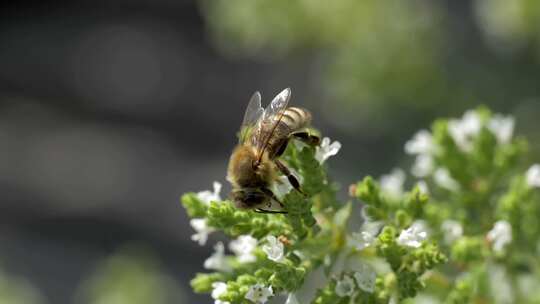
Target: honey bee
x,y
263,138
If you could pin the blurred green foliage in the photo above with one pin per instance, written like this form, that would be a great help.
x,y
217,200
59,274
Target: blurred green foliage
x,y
131,276
16,290
393,63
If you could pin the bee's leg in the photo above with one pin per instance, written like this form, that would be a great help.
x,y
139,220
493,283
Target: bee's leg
x,y
282,148
273,197
308,138
292,179
259,210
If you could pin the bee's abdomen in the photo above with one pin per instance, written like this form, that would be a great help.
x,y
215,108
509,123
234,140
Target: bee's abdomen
x,y
294,119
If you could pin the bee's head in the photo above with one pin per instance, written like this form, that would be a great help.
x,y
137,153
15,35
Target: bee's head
x,y
248,198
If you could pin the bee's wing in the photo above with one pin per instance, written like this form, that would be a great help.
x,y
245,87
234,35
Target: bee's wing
x,y
254,113
270,119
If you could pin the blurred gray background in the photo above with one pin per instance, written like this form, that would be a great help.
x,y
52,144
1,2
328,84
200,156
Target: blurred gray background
x,y
110,110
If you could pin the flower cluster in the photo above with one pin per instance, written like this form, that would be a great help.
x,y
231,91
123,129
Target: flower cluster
x,y
466,204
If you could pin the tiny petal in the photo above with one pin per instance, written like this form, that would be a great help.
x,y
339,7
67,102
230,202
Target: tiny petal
x,y
392,184
500,284
291,299
202,230
423,165
421,143
365,278
444,180
452,230
502,127
465,130
500,236
345,287
413,236
218,289
208,196
259,293
217,260
274,249
326,149
243,248
362,239
533,176
423,187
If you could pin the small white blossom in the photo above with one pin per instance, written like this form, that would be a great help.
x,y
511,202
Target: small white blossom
x,y
533,176
444,180
423,187
423,165
291,299
326,149
464,130
452,230
202,230
345,287
217,261
243,248
259,293
208,196
500,285
421,143
502,127
365,278
218,289
282,187
392,184
500,235
414,235
362,239
274,249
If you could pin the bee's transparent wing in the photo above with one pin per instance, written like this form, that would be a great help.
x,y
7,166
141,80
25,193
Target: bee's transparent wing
x,y
271,117
254,113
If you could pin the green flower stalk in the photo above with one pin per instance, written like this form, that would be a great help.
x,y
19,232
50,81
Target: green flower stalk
x,y
464,230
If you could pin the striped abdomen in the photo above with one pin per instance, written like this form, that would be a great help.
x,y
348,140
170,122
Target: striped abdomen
x,y
293,119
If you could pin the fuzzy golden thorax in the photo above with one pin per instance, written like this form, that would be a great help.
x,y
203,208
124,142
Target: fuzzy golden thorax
x,y
247,178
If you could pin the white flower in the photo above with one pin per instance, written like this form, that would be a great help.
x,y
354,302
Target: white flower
x,y
421,143
345,287
452,231
500,285
291,299
365,278
218,289
444,180
423,187
533,176
392,184
203,230
217,261
500,235
413,236
274,249
282,187
362,239
463,131
325,149
243,248
208,196
502,127
259,293
423,165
